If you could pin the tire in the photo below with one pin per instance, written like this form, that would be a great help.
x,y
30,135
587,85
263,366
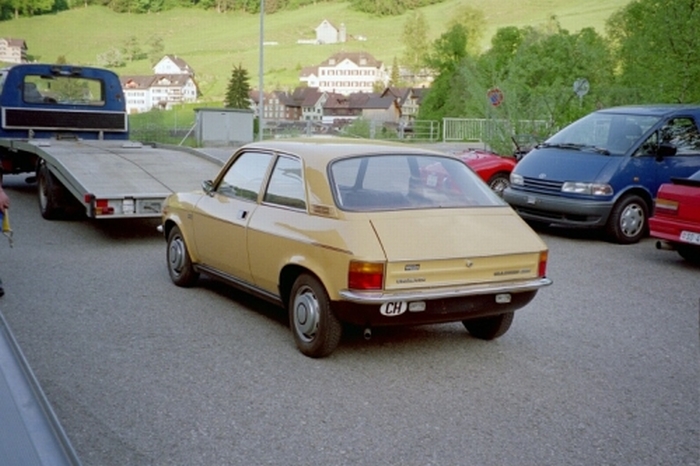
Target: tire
x,y
489,328
315,328
52,194
628,220
499,182
689,253
180,268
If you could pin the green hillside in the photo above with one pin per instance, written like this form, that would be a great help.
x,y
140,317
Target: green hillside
x,y
213,43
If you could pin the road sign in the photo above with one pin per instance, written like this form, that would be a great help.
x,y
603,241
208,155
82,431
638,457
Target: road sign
x,y
581,87
495,96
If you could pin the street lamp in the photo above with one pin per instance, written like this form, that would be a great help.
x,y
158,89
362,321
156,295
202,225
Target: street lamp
x,y
261,94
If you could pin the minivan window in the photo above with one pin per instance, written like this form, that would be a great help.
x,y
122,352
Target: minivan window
x,y
611,133
681,132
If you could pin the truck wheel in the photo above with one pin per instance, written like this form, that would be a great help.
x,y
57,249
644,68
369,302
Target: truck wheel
x,y
180,268
488,328
315,328
51,193
499,182
628,220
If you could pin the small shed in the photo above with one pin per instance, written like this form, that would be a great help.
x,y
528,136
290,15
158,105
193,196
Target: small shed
x,y
223,126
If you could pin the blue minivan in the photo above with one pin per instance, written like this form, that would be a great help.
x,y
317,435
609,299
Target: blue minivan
x,y
603,171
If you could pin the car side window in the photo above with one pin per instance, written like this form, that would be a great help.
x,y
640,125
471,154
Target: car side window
x,y
286,186
682,133
245,176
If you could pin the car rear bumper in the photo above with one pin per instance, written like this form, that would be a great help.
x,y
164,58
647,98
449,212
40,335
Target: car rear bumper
x,y
557,209
435,311
436,305
670,230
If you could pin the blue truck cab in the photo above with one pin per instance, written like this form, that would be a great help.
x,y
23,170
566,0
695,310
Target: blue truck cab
x,y
45,101
604,170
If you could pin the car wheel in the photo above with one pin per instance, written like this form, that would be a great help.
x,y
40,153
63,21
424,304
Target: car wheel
x,y
689,253
499,182
488,328
315,328
182,273
628,220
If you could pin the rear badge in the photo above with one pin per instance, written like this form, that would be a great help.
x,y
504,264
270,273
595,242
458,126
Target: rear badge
x,y
393,308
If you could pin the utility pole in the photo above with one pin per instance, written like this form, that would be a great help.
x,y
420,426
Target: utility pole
x,y
261,93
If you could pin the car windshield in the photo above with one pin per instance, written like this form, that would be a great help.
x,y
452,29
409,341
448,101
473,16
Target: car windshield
x,y
605,133
401,182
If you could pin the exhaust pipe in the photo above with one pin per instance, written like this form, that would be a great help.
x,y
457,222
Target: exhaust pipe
x,y
367,333
665,245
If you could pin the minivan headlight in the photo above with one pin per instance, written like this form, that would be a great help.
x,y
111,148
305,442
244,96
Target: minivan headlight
x,y
593,189
516,179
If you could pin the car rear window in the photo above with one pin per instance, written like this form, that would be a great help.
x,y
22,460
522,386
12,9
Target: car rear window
x,y
401,182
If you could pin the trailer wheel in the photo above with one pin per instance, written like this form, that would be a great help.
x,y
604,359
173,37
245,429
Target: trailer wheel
x,y
51,193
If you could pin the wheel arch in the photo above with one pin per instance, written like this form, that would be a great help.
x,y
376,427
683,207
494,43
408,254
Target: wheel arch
x,y
288,276
640,191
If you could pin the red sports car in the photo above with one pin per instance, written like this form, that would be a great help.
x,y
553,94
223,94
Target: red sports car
x,y
493,168
676,219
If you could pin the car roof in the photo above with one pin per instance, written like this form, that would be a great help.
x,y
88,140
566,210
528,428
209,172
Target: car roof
x,y
659,110
318,152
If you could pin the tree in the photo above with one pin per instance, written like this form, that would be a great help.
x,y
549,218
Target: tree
x,y
155,48
415,41
238,90
656,45
473,21
445,97
395,79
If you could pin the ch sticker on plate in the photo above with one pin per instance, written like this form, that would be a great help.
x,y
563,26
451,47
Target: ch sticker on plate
x,y
393,308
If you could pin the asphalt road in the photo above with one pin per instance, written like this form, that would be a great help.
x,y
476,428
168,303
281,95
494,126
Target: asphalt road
x,y
602,367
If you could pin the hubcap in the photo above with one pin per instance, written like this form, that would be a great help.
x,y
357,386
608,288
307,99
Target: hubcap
x,y
176,255
499,185
306,314
632,220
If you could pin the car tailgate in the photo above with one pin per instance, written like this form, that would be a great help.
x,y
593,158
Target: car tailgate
x,y
456,247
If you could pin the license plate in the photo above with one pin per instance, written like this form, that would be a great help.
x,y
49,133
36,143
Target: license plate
x,y
690,237
531,200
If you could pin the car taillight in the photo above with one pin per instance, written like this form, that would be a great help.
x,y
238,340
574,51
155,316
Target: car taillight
x,y
666,206
365,275
542,269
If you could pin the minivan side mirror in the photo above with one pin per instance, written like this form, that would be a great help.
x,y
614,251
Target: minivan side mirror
x,y
666,149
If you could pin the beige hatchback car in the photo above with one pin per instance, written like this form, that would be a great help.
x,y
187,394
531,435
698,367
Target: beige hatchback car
x,y
371,234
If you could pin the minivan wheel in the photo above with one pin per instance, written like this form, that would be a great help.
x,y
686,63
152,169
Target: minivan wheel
x,y
628,220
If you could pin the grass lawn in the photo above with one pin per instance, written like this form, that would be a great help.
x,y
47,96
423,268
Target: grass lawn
x,y
213,43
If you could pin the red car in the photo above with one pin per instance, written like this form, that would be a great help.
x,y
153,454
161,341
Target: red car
x,y
676,219
492,168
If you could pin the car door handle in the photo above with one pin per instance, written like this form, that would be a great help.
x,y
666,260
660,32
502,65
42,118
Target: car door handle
x,y
242,214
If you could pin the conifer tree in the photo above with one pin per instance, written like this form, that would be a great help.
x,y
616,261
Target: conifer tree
x,y
237,92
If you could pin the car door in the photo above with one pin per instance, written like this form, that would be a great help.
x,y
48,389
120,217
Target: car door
x,y
684,135
222,216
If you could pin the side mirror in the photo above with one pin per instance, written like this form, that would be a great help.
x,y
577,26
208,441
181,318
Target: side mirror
x,y
666,149
208,186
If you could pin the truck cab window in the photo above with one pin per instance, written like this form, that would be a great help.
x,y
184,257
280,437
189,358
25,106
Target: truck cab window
x,y
62,90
